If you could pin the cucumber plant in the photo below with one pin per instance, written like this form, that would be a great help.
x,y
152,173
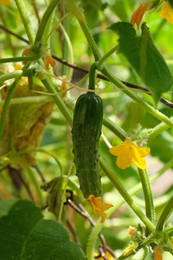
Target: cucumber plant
x,y
86,131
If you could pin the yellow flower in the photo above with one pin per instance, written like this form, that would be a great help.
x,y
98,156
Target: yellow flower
x,y
167,11
138,14
5,2
128,153
99,206
132,231
107,254
17,66
130,249
158,253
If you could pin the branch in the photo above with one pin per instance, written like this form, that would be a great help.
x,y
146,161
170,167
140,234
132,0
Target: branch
x,y
100,76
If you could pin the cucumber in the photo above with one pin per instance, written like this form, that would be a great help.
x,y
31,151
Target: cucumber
x,y
86,131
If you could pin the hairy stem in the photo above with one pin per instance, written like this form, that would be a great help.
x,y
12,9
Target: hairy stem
x,y
115,181
137,99
58,101
165,214
10,75
149,206
45,20
16,59
25,19
81,19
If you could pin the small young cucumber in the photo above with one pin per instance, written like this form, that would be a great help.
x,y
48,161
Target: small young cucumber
x,y
86,131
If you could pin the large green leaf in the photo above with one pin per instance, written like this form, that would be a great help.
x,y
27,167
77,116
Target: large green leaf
x,y
50,240
5,206
25,235
16,226
144,57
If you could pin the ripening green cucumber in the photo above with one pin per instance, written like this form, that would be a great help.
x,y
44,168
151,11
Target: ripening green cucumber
x,y
86,131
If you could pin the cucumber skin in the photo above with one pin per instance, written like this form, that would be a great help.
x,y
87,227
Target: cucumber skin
x,y
86,131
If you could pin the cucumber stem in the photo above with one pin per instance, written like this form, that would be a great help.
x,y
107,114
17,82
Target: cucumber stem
x,y
92,76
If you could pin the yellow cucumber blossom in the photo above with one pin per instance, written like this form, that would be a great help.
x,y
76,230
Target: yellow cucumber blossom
x,y
128,152
99,206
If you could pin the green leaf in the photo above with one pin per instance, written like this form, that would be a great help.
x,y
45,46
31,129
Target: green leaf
x,y
5,206
161,147
144,57
50,240
16,226
24,235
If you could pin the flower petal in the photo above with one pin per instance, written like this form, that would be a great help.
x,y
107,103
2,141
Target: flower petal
x,y
124,161
167,12
143,151
158,253
116,150
48,60
128,152
139,13
99,206
139,162
108,255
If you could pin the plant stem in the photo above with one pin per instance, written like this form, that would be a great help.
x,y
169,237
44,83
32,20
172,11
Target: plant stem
x,y
98,227
25,19
165,214
45,20
6,105
58,101
92,75
28,100
115,129
15,59
137,99
37,187
149,207
138,187
41,150
81,19
68,53
107,55
158,129
126,196
10,75
92,241
169,231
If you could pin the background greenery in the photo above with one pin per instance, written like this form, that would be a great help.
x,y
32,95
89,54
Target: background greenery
x,y
20,182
